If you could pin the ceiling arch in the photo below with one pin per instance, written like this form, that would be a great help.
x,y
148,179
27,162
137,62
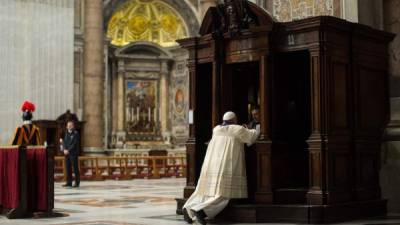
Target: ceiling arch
x,y
157,21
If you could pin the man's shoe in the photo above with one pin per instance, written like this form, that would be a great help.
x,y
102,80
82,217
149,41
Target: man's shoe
x,y
67,185
76,185
186,217
200,217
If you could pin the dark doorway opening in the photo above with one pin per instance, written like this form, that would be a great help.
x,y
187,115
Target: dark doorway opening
x,y
203,113
291,123
241,89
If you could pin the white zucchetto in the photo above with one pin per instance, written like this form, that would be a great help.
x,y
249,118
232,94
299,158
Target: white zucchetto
x,y
229,116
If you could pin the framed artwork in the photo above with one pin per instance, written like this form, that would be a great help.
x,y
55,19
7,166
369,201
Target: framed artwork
x,y
141,104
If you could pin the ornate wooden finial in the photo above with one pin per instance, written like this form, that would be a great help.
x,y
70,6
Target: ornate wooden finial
x,y
234,16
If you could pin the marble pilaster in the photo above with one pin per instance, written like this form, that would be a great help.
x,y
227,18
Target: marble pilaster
x,y
121,133
114,100
164,103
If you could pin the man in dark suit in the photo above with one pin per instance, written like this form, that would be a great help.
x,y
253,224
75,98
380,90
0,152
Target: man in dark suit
x,y
71,152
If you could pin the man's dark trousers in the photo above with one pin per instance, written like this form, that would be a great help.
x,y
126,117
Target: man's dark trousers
x,y
72,161
71,143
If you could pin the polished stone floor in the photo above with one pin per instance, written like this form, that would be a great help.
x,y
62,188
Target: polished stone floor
x,y
135,202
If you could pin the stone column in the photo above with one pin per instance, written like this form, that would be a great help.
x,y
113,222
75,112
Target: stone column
x,y
93,93
114,103
121,134
205,4
164,101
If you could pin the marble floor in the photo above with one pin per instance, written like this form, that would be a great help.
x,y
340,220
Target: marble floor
x,y
134,202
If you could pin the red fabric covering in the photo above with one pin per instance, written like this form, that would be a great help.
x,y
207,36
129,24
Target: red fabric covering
x,y
36,175
9,177
37,179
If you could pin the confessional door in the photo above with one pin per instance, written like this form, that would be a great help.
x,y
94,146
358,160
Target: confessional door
x,y
203,112
291,126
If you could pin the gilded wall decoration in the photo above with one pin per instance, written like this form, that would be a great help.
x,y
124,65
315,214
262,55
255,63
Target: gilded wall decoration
x,y
141,115
288,10
146,20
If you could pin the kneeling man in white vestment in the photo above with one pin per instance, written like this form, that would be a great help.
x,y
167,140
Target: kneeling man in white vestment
x,y
223,174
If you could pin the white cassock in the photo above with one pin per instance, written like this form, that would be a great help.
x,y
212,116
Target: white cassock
x,y
223,174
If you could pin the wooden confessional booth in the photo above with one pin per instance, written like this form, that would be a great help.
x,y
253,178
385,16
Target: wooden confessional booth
x,y
322,87
52,130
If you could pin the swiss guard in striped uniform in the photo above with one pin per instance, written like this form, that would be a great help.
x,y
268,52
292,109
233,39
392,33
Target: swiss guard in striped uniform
x,y
27,134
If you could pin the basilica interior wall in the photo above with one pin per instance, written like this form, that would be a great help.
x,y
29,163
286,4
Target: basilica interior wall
x,y
148,78
390,180
370,12
36,59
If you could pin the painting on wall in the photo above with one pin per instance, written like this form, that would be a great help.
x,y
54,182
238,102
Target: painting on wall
x,y
180,103
141,104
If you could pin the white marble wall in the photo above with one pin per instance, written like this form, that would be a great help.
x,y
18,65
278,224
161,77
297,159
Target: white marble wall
x,y
36,59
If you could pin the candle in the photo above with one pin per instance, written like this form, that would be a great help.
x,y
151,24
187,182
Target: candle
x,y
149,113
132,114
128,118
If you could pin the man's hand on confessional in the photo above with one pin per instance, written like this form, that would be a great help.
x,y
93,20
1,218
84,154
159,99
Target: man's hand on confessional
x,y
245,125
66,152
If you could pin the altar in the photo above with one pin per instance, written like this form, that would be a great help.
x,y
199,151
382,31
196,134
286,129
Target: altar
x,y
27,181
322,87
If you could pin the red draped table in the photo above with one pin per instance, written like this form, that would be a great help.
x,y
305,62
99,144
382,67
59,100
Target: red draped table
x,y
26,180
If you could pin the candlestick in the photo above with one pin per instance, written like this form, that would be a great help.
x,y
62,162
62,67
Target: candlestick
x,y
128,117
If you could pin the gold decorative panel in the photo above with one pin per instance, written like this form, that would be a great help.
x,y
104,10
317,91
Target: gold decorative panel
x,y
146,20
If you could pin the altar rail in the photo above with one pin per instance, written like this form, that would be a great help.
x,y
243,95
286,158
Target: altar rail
x,y
124,167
